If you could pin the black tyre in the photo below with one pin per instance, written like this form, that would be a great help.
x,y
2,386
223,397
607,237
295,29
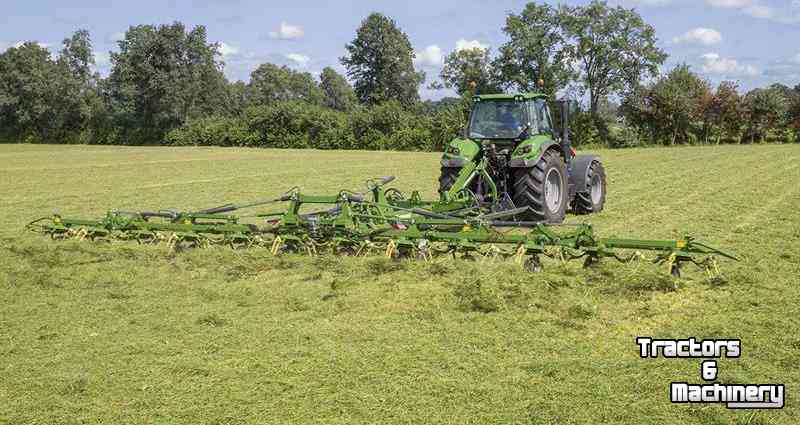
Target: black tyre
x,y
447,178
543,188
594,198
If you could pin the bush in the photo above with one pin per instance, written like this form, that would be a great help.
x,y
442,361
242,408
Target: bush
x,y
587,130
623,136
332,130
447,124
389,126
300,125
212,131
282,125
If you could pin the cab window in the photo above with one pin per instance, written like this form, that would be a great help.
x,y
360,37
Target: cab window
x,y
542,116
498,119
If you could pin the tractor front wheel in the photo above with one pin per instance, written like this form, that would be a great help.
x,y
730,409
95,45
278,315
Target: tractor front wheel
x,y
542,188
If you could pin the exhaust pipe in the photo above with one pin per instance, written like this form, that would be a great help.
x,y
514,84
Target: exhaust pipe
x,y
566,145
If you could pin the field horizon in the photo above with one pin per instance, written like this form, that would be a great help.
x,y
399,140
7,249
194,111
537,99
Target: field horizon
x,y
122,333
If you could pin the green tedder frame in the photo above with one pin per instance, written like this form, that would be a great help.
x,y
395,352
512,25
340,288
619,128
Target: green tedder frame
x,y
380,221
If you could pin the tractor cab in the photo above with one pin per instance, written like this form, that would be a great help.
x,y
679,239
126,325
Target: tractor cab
x,y
509,117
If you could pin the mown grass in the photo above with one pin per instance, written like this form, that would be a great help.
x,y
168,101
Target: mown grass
x,y
128,334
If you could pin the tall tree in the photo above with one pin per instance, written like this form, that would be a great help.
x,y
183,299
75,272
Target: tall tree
x,y
668,109
236,99
767,109
271,83
27,89
469,71
534,51
611,47
44,98
79,81
338,93
78,56
379,62
794,113
162,77
722,111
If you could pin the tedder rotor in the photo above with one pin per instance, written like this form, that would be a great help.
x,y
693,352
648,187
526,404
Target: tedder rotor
x,y
381,221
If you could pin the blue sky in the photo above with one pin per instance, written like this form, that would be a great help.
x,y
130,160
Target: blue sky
x,y
756,42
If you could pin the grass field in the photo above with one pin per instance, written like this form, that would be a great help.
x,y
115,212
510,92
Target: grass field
x,y
127,334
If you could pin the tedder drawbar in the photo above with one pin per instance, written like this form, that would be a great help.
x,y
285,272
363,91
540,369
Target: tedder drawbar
x,y
382,221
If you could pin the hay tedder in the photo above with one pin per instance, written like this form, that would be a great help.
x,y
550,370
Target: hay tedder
x,y
382,221
500,197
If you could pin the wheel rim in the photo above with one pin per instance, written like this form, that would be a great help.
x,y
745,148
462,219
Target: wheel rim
x,y
552,190
597,189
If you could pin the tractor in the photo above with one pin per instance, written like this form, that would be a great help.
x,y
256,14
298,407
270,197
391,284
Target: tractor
x,y
510,156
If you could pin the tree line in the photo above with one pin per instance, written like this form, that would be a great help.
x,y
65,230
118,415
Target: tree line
x,y
166,86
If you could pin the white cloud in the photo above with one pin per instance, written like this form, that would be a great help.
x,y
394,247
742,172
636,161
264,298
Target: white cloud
x,y
713,63
648,2
340,68
102,59
796,58
228,50
429,56
287,32
760,11
19,44
729,4
102,63
433,55
470,44
117,36
299,59
750,7
704,36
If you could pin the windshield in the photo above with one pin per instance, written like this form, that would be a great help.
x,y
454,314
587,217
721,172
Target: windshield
x,y
497,120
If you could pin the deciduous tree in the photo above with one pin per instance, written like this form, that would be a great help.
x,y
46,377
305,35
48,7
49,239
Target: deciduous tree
x,y
767,109
27,91
47,99
337,91
163,76
469,71
668,110
379,62
271,83
722,112
794,113
612,48
534,51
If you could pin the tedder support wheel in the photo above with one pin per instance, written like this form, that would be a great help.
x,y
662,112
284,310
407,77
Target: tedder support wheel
x,y
543,188
594,198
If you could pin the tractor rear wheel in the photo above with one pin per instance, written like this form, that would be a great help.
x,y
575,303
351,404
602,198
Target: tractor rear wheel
x,y
542,188
594,198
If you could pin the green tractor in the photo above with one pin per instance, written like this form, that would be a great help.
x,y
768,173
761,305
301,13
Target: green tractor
x,y
511,157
